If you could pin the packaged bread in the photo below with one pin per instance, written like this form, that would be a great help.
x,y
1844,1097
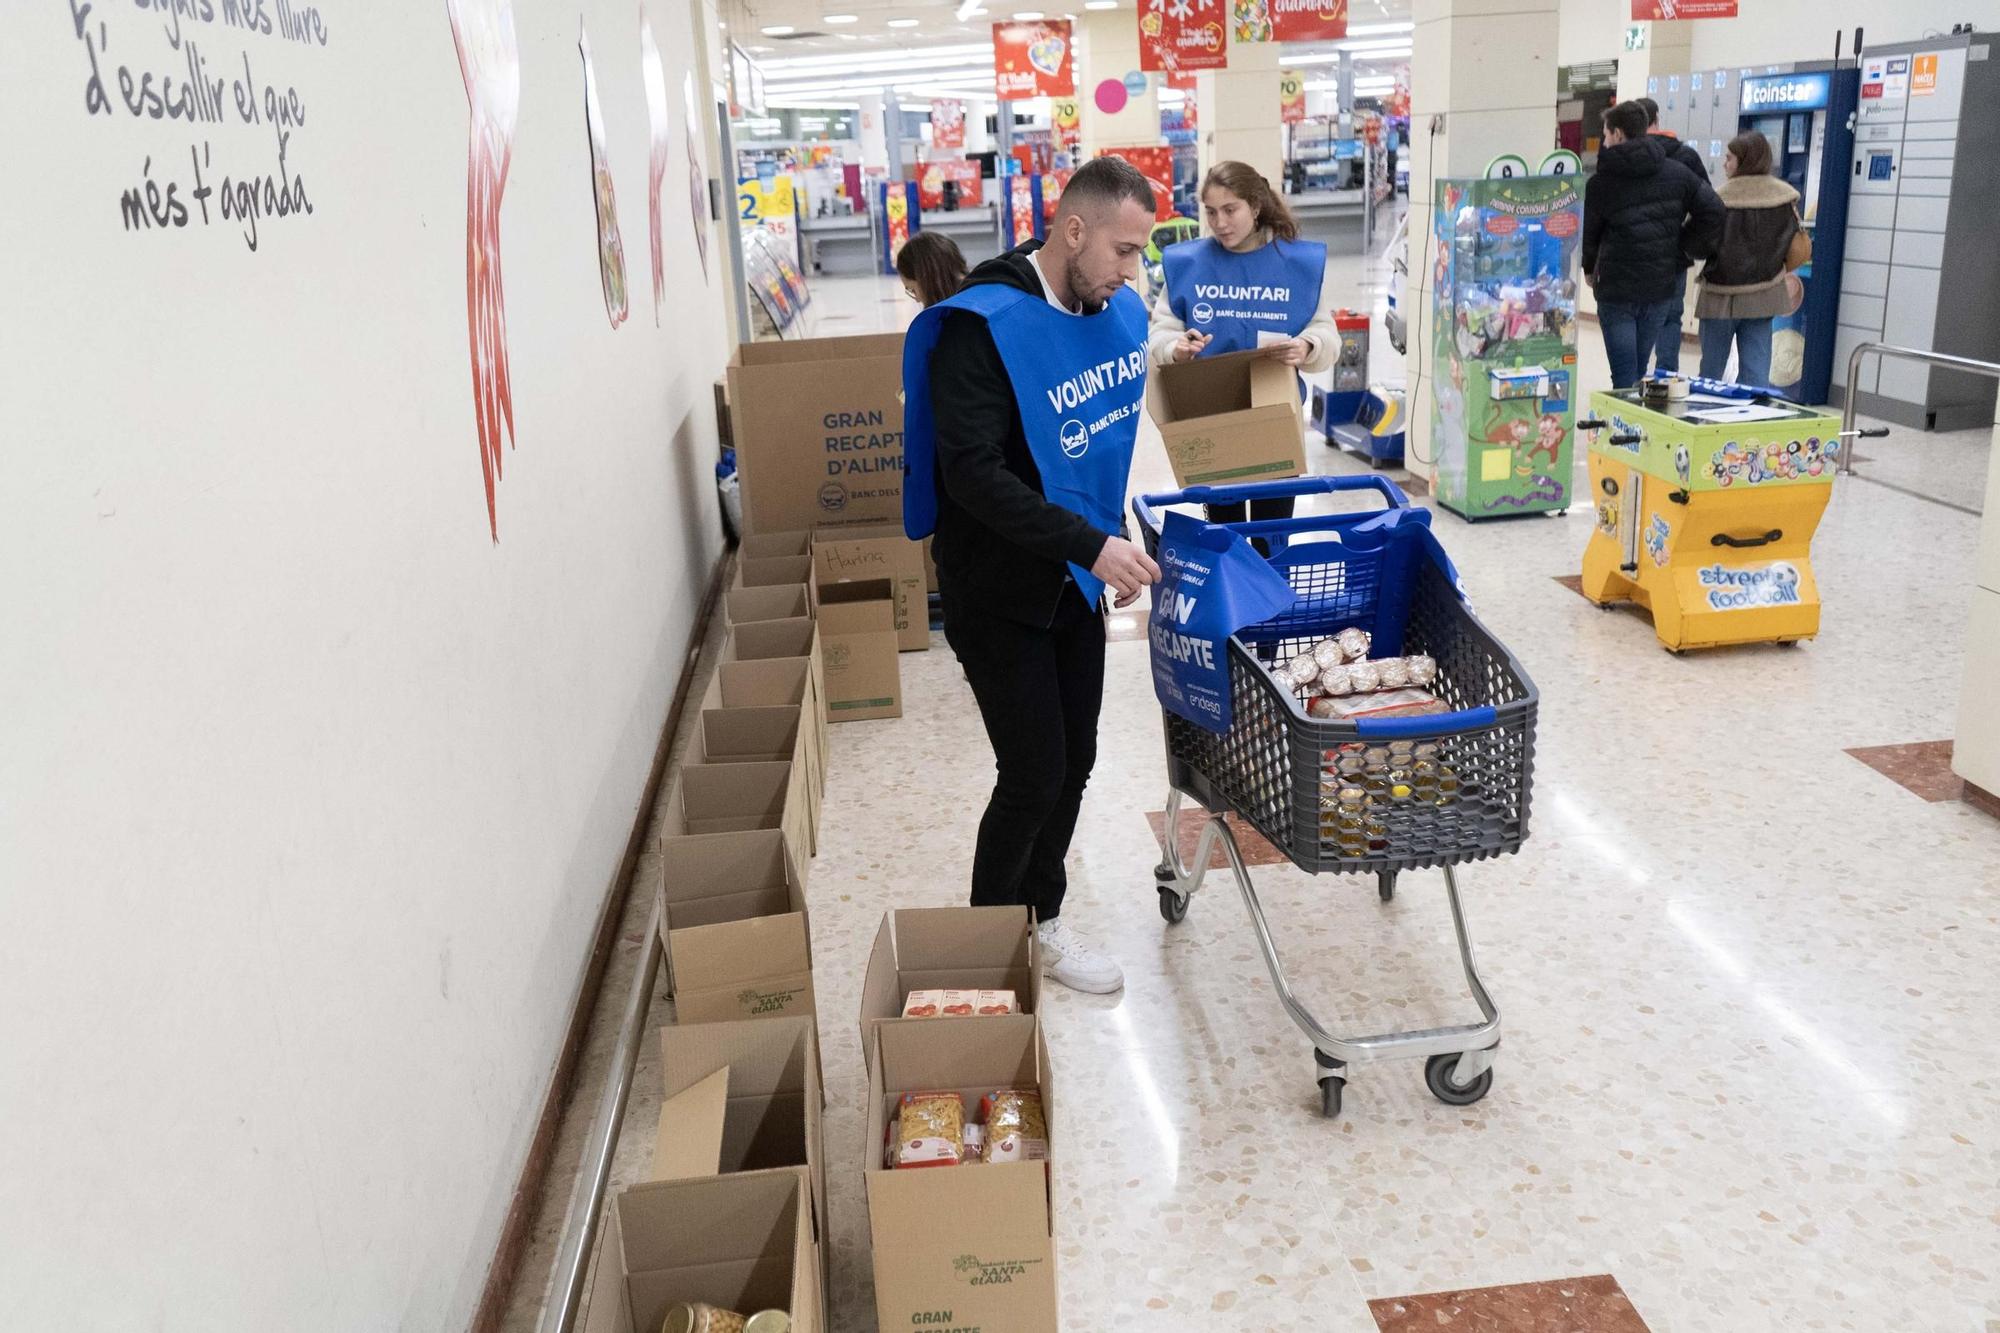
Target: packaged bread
x,y
1328,654
1423,668
1336,680
1410,702
930,1130
1016,1129
1365,676
1304,669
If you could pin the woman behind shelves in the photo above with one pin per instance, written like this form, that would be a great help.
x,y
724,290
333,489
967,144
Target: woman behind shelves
x,y
1276,285
931,267
1743,286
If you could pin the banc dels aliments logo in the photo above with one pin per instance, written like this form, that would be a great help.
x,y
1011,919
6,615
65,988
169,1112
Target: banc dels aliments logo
x,y
833,497
1075,439
1203,312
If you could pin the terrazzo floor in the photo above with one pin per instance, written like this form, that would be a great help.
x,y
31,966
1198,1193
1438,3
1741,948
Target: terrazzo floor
x,y
1747,983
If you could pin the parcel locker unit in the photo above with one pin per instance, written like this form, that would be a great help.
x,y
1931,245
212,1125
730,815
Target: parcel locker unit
x,y
1922,269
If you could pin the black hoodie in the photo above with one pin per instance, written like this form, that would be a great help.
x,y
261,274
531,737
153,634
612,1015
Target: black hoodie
x,y
1000,543
1642,213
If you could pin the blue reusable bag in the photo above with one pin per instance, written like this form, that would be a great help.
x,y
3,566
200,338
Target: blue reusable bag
x,y
1212,583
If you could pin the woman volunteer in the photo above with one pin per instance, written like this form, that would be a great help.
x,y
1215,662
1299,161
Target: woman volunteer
x,y
1250,276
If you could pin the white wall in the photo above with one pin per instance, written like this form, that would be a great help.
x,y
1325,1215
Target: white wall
x,y
309,791
1773,31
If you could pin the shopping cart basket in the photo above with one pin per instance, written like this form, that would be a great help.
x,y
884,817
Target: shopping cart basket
x,y
1467,799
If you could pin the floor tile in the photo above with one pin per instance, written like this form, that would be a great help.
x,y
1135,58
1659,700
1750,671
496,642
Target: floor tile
x,y
1923,767
1577,1305
1253,846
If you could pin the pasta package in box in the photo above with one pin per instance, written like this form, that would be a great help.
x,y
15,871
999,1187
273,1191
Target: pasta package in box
x,y
958,1003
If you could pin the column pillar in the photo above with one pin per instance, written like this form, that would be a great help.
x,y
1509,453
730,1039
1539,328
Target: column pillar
x,y
1481,84
1345,116
1668,49
1240,119
1107,47
874,141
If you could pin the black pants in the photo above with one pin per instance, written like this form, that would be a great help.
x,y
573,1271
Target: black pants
x,y
1039,691
1280,507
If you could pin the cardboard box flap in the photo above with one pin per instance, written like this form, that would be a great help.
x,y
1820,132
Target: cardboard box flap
x,y
1010,1200
974,1053
817,349
726,953
765,682
787,601
793,636
766,732
767,545
706,865
768,1056
688,1142
864,606
739,1242
732,792
1211,385
932,937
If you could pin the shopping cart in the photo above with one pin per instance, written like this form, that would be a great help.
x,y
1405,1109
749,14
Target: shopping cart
x,y
1382,571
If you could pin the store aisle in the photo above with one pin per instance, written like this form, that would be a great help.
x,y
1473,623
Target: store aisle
x,y
1745,979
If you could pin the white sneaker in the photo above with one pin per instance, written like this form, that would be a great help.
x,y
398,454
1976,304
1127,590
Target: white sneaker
x,y
1068,958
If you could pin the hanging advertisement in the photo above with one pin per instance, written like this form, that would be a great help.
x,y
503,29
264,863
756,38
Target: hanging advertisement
x,y
1668,11
1180,36
1066,120
895,219
1156,164
1291,96
1251,20
1033,60
1183,79
963,175
947,124
1020,209
1307,20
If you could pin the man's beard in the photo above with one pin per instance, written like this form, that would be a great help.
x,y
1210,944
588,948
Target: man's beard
x,y
1073,274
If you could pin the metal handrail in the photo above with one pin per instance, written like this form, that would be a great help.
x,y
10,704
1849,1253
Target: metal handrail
x,y
587,1204
1848,434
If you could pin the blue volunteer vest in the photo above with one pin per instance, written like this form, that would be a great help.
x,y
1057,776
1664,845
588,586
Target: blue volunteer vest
x,y
1078,381
1232,297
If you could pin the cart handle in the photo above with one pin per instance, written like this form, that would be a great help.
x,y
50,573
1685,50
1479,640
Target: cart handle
x,y
1144,505
1427,724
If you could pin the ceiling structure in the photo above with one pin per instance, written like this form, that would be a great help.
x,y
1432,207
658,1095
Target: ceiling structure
x,y
822,53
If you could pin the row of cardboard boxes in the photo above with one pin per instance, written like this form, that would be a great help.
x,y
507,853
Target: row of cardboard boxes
x,y
735,1213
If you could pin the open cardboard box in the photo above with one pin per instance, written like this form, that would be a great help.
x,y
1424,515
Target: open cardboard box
x,y
776,733
858,627
779,601
842,555
795,636
1230,418
742,1096
775,571
948,948
740,1242
769,545
962,1246
740,797
818,424
733,919
774,682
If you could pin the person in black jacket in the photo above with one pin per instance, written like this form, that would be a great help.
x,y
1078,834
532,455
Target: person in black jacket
x,y
1668,350
1642,212
1031,641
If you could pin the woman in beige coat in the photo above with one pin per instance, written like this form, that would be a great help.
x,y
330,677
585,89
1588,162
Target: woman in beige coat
x,y
1743,287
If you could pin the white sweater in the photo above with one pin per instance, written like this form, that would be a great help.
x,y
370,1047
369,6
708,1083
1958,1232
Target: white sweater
x,y
1322,337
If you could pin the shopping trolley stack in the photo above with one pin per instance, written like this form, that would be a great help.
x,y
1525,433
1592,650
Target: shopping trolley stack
x,y
1440,789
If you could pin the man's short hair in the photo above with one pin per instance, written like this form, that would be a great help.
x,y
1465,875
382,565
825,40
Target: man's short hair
x,y
1652,109
1104,183
1628,118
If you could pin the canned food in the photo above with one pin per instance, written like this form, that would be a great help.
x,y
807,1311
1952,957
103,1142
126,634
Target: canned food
x,y
699,1318
769,1321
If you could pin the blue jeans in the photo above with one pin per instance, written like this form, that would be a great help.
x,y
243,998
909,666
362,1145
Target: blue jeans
x,y
1668,349
1631,333
1753,349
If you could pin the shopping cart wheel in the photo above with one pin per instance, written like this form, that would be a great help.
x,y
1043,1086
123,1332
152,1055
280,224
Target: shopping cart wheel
x,y
1172,906
1385,884
1332,1082
1164,873
1438,1074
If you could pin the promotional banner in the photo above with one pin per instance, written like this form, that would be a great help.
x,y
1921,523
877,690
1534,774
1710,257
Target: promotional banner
x,y
1066,120
1291,96
1212,583
931,178
1667,11
1251,20
1179,36
1183,79
1156,164
1020,208
947,123
1033,60
1307,20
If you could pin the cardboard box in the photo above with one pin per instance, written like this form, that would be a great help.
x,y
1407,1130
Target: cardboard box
x,y
845,555
948,948
733,918
858,623
766,734
770,681
741,798
769,545
967,1246
1229,418
777,571
795,636
787,601
818,424
741,1242
742,1096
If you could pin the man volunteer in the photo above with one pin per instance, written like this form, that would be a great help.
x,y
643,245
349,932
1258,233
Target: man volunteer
x,y
1022,396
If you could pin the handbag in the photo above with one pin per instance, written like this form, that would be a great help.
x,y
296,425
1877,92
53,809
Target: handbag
x,y
1799,253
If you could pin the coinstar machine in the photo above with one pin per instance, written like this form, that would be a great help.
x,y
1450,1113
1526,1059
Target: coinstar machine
x,y
1706,508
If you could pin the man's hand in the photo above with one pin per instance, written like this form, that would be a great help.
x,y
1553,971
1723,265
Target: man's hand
x,y
1125,569
1190,346
1292,351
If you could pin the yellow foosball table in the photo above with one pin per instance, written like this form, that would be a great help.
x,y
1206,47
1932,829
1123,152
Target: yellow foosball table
x,y
1705,512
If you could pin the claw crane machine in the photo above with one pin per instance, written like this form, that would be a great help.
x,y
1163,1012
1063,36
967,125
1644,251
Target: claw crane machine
x,y
1505,326
1706,507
